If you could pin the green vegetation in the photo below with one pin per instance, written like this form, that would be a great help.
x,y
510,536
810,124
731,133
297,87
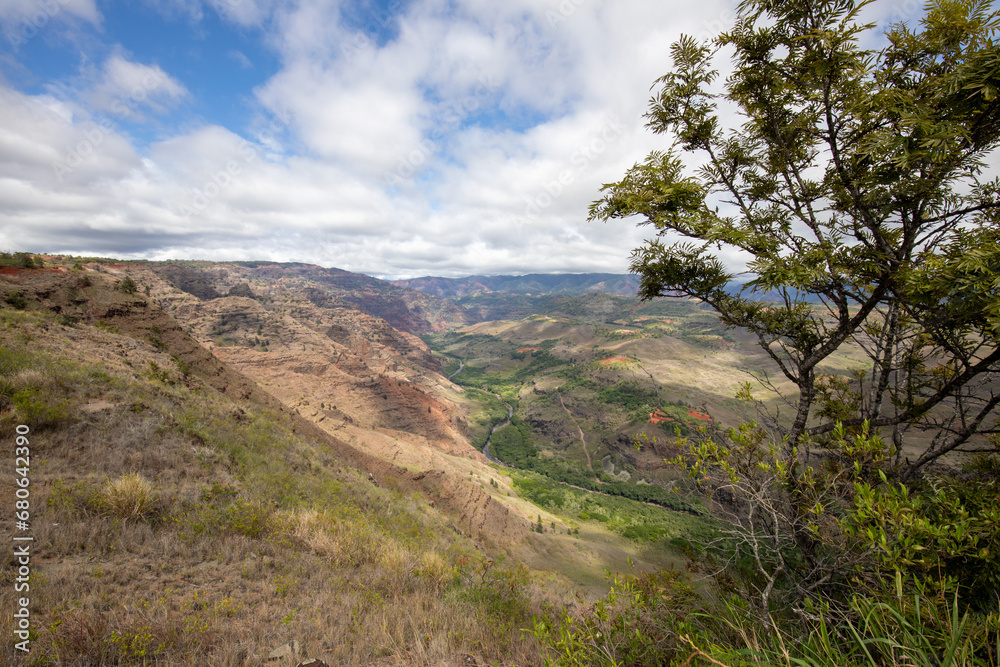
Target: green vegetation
x,y
128,285
630,396
16,300
23,260
512,444
856,186
628,517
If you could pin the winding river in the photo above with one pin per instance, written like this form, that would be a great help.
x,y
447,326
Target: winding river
x,y
510,413
486,447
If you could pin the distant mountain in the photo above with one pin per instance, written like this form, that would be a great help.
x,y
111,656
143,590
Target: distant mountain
x,y
408,310
534,284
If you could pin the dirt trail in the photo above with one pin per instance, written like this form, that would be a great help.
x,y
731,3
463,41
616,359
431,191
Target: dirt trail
x,y
583,440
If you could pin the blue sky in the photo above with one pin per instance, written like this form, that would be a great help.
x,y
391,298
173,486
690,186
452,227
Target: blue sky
x,y
397,138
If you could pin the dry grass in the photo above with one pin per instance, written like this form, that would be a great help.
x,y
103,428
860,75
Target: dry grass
x,y
130,497
171,530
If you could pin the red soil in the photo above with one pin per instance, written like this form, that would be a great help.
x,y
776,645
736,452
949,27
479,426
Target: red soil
x,y
698,415
657,417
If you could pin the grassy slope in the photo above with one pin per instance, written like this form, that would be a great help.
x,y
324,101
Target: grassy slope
x,y
251,533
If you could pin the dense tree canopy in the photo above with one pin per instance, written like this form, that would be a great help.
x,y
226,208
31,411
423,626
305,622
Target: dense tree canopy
x,y
857,183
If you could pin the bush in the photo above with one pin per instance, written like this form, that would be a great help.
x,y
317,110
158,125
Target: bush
x,y
641,621
39,410
17,300
130,497
239,517
128,285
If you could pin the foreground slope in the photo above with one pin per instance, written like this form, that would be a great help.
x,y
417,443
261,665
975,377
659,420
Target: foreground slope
x,y
179,511
212,475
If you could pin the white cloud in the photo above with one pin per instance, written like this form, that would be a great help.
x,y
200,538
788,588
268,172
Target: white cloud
x,y
457,137
241,59
32,14
125,88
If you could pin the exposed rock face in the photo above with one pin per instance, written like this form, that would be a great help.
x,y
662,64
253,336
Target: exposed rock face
x,y
193,281
370,393
243,289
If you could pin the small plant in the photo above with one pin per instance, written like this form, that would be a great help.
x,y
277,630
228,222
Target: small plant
x,y
182,366
128,285
42,411
105,326
17,300
159,374
130,497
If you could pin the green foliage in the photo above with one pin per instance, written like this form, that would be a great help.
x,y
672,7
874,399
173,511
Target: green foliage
x,y
40,410
159,374
182,366
631,518
629,395
237,517
17,300
499,590
128,285
512,444
21,260
948,533
106,326
854,184
890,628
641,621
78,501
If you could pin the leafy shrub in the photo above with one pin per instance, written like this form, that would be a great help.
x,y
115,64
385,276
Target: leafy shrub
x,y
17,300
239,517
500,591
39,409
949,534
128,285
77,500
641,621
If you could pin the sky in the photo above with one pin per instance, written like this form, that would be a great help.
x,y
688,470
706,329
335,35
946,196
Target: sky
x,y
396,138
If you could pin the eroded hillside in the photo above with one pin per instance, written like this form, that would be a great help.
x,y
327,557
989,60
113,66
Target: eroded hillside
x,y
283,440
179,512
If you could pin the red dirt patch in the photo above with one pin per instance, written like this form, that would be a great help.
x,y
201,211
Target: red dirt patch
x,y
658,417
18,270
529,349
615,360
698,415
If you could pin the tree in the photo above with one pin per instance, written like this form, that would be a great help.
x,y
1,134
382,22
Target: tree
x,y
856,187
